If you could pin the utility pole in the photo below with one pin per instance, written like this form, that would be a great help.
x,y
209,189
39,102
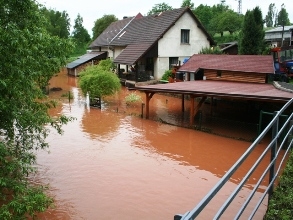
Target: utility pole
x,y
239,7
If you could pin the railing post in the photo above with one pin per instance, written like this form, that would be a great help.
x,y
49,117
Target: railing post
x,y
273,154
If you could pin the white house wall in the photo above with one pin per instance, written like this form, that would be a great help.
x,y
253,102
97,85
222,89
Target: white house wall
x,y
170,45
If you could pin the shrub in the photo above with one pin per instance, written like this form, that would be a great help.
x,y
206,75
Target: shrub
x,y
132,98
167,74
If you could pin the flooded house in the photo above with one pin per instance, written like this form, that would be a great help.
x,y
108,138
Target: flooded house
x,y
144,47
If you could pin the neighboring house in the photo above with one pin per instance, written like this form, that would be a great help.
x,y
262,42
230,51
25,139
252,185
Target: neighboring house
x,y
152,44
237,68
274,36
91,58
230,48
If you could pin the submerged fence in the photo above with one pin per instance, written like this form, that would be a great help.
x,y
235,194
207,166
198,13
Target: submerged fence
x,y
281,141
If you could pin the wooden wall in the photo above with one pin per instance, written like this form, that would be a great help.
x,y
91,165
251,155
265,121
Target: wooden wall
x,y
234,76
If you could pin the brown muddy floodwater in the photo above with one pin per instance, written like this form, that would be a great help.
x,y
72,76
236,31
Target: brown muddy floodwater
x,y
112,164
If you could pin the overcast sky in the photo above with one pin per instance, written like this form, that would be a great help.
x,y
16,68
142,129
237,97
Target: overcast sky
x,y
91,10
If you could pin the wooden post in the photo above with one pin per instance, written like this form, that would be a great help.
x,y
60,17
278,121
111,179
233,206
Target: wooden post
x,y
182,102
149,95
191,110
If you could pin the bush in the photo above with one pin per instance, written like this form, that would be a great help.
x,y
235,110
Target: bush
x,y
132,98
167,74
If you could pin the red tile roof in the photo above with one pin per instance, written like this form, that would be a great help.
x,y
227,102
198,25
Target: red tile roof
x,y
239,63
238,90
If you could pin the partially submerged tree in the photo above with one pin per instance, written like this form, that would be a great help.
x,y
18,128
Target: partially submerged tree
x,y
29,57
99,80
160,8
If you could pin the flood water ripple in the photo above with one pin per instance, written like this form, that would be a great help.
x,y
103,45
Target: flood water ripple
x,y
112,164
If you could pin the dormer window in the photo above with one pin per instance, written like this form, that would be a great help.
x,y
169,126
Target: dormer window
x,y
185,36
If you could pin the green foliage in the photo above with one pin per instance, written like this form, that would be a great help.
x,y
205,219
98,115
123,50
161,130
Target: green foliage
x,y
167,74
281,203
58,22
29,57
252,33
99,81
160,8
80,36
283,17
101,24
107,65
205,14
218,18
211,50
226,37
132,98
270,17
187,3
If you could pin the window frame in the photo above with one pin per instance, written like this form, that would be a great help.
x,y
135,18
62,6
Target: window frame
x,y
185,36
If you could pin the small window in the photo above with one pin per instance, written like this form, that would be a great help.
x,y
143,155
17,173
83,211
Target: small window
x,y
219,73
185,36
173,61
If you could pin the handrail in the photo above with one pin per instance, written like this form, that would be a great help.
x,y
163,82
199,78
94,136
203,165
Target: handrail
x,y
275,151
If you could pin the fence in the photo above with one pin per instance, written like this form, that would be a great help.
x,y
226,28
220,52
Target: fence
x,y
281,140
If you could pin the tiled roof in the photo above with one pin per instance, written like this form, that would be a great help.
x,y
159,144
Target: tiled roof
x,y
132,53
239,63
148,29
110,32
250,91
84,59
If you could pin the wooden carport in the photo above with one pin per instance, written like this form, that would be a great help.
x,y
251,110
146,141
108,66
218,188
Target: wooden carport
x,y
209,88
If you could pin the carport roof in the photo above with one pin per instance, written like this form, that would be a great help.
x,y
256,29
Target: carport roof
x,y
237,63
224,89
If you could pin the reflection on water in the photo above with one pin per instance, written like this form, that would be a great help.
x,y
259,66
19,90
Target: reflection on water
x,y
111,164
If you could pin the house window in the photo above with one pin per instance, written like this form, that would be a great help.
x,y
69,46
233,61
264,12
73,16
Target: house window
x,y
173,61
185,36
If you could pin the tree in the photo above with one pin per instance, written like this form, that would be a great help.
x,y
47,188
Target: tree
x,y
29,57
80,36
229,21
99,80
270,17
101,24
187,3
283,18
58,22
160,8
204,14
211,50
252,34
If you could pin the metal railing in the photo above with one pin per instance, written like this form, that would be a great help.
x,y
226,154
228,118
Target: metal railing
x,y
281,140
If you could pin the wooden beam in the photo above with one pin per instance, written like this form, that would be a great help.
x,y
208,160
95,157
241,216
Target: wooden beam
x,y
193,111
149,95
182,102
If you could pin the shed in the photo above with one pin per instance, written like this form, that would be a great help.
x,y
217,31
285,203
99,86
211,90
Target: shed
x,y
91,58
237,68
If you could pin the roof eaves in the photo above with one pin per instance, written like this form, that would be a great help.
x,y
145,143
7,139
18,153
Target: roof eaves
x,y
199,24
